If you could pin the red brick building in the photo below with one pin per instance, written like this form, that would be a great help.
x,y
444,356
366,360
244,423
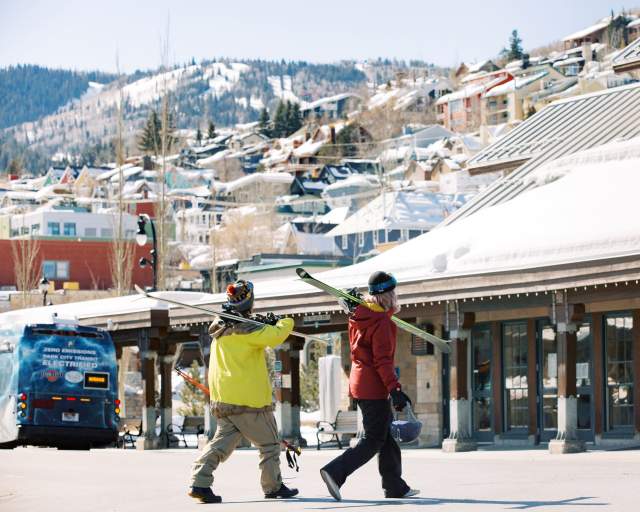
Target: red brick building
x,y
85,262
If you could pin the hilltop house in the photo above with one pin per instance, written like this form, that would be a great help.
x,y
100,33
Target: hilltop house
x,y
333,107
391,218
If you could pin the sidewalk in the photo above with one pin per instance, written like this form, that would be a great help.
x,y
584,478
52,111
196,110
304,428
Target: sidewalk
x,y
129,480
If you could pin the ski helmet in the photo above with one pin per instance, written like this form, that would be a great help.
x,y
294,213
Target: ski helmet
x,y
381,282
240,295
405,431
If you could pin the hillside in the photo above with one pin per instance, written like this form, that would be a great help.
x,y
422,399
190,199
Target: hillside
x,y
29,92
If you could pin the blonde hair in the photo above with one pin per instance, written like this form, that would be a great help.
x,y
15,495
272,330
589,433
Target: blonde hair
x,y
387,300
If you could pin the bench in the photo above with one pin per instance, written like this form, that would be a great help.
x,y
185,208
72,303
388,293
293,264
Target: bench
x,y
346,423
191,425
129,433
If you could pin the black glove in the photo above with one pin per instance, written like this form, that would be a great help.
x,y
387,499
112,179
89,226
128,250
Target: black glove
x,y
399,399
349,305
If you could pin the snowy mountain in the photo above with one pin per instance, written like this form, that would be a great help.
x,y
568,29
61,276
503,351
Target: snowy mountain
x,y
225,92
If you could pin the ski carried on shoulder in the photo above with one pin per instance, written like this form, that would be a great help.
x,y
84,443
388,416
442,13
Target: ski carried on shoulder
x,y
221,314
341,294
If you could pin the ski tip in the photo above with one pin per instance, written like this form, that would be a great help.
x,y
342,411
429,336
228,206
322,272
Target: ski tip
x,y
139,290
302,273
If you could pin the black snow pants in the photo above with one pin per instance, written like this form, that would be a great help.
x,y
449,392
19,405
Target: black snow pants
x,y
376,418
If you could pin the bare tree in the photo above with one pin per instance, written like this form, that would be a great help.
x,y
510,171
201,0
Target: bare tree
x,y
122,250
161,203
25,255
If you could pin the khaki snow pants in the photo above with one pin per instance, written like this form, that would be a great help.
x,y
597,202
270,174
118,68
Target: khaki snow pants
x,y
258,427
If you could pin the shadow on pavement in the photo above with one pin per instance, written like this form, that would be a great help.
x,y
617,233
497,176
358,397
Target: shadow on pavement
x,y
511,504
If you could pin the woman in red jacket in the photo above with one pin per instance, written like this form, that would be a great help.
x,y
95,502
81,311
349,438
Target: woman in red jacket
x,y
372,341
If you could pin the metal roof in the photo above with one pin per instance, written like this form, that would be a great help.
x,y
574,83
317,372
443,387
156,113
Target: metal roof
x,y
562,128
628,58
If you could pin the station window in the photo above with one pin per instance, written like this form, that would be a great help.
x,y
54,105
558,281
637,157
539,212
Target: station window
x,y
53,228
90,232
69,229
52,269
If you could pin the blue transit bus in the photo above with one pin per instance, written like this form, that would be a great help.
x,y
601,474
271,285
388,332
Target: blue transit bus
x,y
58,386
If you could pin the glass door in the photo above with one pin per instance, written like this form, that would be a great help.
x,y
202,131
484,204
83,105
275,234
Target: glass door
x,y
516,387
584,377
481,366
548,379
619,372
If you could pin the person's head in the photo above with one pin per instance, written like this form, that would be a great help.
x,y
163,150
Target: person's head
x,y
382,291
240,296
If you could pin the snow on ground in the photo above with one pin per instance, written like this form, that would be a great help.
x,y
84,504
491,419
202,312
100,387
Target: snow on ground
x,y
283,88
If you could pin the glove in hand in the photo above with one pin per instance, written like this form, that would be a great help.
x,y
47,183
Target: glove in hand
x,y
399,399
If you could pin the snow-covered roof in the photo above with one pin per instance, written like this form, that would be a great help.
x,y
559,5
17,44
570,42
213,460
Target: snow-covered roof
x,y
253,179
515,84
397,210
588,31
628,58
329,99
634,23
334,216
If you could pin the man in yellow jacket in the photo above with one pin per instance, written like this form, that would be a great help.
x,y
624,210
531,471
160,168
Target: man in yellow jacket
x,y
241,398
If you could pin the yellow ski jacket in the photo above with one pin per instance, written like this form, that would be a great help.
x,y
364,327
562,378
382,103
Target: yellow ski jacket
x,y
237,367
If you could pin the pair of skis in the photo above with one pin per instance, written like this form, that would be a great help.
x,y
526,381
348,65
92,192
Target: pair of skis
x,y
307,278
340,294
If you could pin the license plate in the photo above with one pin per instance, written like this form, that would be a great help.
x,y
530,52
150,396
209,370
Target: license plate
x,y
70,416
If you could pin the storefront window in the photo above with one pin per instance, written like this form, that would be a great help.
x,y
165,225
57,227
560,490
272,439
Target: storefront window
x,y
619,345
514,346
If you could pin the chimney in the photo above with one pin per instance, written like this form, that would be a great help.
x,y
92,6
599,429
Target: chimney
x,y
525,61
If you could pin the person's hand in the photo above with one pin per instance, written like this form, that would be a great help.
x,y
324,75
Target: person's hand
x,y
348,305
399,399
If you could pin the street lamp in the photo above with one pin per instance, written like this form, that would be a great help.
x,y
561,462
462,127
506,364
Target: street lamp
x,y
141,239
44,289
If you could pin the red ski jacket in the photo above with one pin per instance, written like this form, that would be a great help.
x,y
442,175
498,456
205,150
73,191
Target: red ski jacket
x,y
372,340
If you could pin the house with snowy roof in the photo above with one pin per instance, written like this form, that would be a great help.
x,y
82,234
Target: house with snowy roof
x,y
628,59
389,219
506,103
461,110
332,107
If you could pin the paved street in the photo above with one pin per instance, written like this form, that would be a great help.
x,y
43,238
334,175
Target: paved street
x,y
117,480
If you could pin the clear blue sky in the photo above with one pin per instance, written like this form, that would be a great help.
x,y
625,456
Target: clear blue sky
x,y
85,34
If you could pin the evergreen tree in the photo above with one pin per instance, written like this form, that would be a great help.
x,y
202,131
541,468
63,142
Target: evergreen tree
x,y
515,46
211,131
199,137
264,123
280,121
15,166
151,140
294,118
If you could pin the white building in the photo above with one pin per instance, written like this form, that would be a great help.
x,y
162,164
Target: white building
x,y
71,223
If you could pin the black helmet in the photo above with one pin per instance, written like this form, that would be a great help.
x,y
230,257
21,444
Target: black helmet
x,y
381,282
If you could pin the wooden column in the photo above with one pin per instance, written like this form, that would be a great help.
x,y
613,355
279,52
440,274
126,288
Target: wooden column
x,y
567,318
598,372
496,377
532,383
287,389
166,359
148,355
460,431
